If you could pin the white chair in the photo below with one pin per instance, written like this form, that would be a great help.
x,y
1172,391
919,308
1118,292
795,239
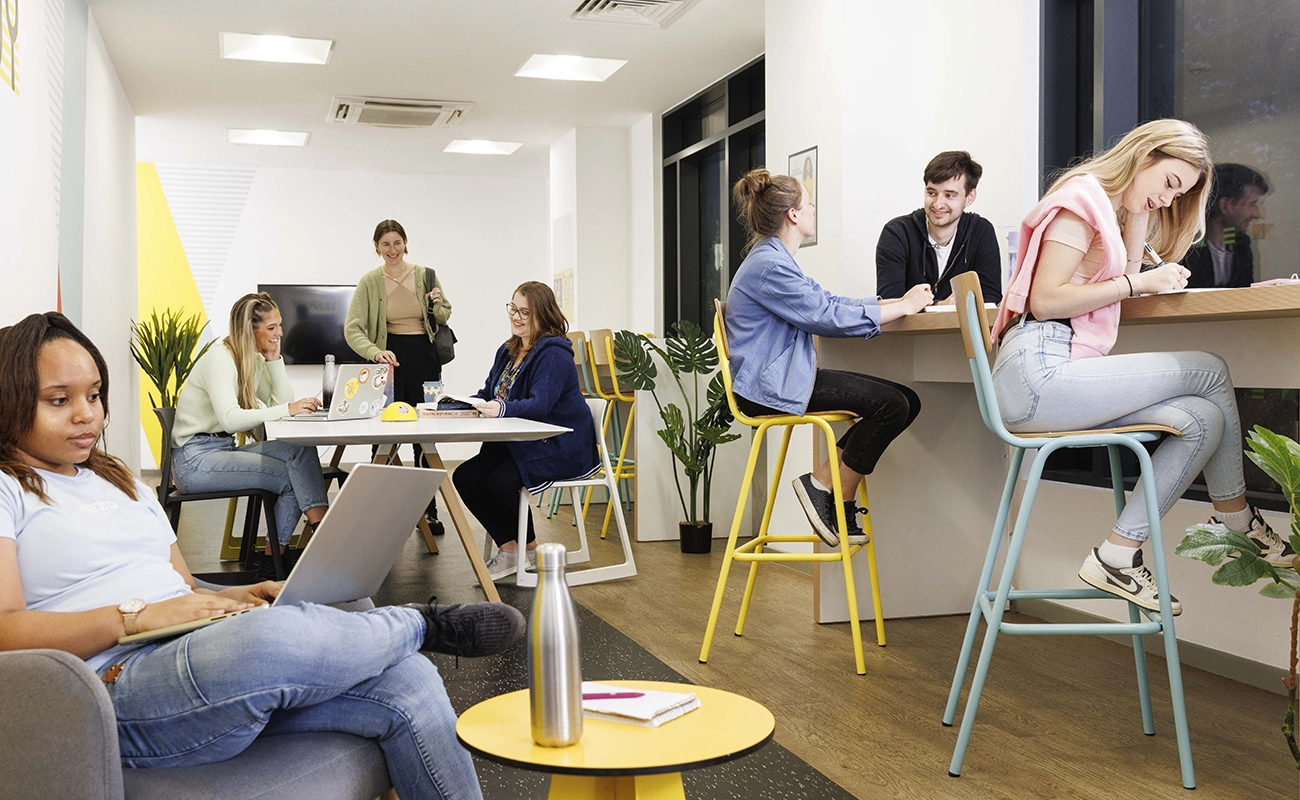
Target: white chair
x,y
607,477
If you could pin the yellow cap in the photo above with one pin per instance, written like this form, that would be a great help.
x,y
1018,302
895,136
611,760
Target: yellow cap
x,y
399,412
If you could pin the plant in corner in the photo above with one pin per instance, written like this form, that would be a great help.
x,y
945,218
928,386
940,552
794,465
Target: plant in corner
x,y
693,435
1279,457
164,347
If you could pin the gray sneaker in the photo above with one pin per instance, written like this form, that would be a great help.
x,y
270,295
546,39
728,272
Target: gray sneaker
x,y
819,507
477,629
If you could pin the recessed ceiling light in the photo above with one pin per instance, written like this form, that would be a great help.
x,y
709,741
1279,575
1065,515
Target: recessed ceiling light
x,y
569,68
482,147
279,138
268,47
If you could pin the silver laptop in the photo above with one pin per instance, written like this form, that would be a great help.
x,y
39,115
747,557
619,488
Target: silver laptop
x,y
358,393
355,545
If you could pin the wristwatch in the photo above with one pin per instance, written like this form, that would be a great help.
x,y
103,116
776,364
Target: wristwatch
x,y
130,609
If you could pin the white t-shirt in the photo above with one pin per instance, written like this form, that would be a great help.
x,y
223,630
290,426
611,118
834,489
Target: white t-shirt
x,y
91,546
942,251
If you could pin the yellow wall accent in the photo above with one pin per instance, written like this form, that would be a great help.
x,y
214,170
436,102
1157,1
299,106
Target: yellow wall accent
x,y
165,279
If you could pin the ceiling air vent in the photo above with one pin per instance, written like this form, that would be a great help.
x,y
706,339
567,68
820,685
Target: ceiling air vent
x,y
645,13
390,112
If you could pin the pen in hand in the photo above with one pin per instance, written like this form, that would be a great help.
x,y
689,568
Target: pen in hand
x,y
1151,251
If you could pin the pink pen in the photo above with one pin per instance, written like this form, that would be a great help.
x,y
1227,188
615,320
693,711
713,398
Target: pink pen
x,y
611,695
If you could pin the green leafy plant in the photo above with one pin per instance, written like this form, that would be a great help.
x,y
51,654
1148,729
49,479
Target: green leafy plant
x,y
692,435
1238,558
164,347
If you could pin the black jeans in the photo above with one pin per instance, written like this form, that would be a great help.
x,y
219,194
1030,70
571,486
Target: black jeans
x,y
886,409
415,365
489,484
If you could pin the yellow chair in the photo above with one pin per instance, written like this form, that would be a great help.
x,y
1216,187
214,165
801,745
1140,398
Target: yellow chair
x,y
753,550
600,349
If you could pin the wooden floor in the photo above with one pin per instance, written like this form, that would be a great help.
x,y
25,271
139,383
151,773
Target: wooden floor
x,y
1059,716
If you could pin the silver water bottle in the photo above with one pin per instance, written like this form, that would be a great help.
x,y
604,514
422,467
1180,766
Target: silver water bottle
x,y
328,379
554,657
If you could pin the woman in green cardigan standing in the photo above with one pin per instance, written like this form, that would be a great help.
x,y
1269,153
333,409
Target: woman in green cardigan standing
x,y
392,319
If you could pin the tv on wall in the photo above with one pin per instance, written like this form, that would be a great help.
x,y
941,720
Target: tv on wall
x,y
313,322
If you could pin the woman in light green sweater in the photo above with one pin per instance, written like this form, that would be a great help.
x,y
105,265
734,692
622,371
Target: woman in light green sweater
x,y
392,319
233,389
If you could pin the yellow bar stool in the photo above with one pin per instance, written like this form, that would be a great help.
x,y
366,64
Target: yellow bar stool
x,y
600,349
753,551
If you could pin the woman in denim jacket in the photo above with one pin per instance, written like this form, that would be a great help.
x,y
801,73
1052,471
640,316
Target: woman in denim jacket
x,y
773,312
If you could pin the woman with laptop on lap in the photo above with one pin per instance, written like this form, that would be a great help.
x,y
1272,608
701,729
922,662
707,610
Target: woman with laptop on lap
x,y
87,557
394,314
236,386
773,312
1060,318
532,377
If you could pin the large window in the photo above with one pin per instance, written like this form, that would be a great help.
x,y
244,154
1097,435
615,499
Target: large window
x,y
1231,67
708,142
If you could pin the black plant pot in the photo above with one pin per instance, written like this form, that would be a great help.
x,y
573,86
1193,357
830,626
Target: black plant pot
x,y
696,538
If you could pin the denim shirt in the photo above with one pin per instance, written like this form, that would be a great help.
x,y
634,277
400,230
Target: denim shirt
x,y
773,312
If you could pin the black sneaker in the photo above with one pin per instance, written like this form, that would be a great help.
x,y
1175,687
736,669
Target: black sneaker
x,y
477,629
851,511
819,506
1272,547
266,565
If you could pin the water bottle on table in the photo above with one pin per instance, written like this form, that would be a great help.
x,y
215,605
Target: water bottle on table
x,y
554,655
328,379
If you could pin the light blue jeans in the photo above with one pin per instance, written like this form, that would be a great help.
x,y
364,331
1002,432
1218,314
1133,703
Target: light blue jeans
x,y
206,696
214,464
1040,389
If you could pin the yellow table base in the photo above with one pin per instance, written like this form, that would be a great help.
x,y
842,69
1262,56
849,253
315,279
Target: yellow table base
x,y
666,786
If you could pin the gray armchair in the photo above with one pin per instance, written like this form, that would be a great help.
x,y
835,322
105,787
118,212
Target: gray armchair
x,y
58,739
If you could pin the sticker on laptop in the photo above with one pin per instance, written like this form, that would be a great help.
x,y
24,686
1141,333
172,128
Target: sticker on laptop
x,y
350,388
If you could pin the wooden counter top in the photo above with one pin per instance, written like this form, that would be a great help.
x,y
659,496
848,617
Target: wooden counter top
x,y
1261,302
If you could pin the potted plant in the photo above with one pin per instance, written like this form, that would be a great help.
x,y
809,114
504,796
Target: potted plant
x,y
1279,457
692,435
164,347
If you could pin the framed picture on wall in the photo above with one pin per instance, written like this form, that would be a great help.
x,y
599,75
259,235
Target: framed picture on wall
x,y
803,168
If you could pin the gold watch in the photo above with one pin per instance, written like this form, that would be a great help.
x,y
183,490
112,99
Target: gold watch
x,y
130,610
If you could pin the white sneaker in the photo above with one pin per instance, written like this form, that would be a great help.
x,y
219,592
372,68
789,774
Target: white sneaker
x,y
1135,584
1272,547
503,564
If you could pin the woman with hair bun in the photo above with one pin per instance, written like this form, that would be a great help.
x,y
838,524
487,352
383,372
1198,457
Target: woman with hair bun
x,y
235,388
397,308
1060,318
773,312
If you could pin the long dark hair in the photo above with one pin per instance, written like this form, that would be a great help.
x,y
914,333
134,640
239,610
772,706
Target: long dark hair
x,y
544,309
20,349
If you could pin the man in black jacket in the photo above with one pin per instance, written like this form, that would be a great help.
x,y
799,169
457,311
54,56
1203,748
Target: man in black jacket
x,y
941,239
1223,257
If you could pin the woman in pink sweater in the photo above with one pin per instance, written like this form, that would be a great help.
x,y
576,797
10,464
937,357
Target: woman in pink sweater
x,y
1060,317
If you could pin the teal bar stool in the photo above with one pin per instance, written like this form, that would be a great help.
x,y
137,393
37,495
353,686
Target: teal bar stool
x,y
989,603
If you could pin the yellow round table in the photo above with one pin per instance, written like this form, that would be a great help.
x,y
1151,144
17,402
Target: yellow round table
x,y
616,759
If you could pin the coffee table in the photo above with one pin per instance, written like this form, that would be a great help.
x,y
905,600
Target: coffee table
x,y
619,760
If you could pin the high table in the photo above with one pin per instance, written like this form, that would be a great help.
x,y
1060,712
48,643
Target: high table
x,y
428,433
616,759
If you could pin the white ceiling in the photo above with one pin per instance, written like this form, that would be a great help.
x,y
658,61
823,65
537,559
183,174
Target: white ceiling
x,y
185,97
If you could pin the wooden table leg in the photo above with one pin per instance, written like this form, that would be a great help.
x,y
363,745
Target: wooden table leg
x,y
667,786
461,523
423,525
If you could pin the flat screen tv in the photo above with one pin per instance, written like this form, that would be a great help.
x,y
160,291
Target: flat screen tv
x,y
313,322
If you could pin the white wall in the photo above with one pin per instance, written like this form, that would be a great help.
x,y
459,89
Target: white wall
x,y
109,277
646,281
482,235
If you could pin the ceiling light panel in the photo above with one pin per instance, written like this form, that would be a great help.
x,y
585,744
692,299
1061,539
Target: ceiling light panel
x,y
267,137
269,47
569,68
482,147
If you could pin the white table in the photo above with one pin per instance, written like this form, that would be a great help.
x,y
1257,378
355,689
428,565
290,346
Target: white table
x,y
428,433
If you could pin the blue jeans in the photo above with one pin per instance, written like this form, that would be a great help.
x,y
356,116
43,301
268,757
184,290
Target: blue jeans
x,y
1040,389
206,696
214,464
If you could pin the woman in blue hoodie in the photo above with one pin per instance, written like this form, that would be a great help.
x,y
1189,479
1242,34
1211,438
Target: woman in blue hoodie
x,y
532,377
773,312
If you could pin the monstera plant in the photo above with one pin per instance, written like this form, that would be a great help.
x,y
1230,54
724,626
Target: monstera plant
x,y
1279,457
164,347
692,434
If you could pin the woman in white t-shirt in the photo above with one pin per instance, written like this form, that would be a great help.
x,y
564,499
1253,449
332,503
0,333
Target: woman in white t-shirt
x,y
1084,245
236,386
87,556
